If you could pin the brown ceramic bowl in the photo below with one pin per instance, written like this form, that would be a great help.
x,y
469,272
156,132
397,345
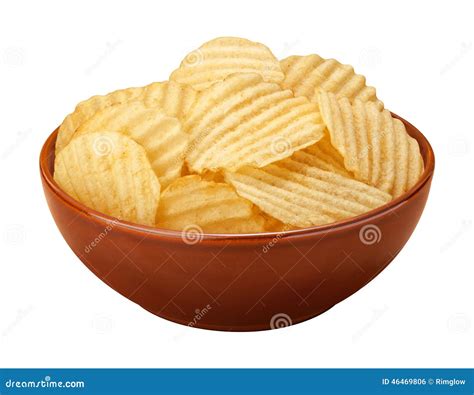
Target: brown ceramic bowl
x,y
241,282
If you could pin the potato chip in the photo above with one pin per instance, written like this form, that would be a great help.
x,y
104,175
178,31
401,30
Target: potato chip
x,y
85,109
375,146
246,121
110,173
218,58
303,195
170,97
191,203
324,156
306,75
161,136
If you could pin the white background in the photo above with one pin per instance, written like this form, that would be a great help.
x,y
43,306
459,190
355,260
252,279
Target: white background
x,y
420,57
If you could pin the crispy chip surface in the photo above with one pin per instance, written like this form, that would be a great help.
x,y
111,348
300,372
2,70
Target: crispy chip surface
x,y
246,121
110,173
85,109
324,156
218,58
375,146
191,203
304,195
162,137
172,98
306,75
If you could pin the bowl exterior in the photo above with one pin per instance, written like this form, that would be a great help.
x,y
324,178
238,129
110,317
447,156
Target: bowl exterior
x,y
233,283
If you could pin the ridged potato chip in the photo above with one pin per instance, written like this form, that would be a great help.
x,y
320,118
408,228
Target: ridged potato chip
x,y
324,156
238,142
110,173
85,109
218,58
169,96
246,121
304,195
193,204
162,137
306,75
375,146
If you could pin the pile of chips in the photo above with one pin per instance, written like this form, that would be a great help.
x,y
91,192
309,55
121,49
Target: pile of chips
x,y
238,142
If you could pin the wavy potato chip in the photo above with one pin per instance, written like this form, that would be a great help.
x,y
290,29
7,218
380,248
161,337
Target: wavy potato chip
x,y
193,203
218,58
162,137
170,97
85,109
306,75
246,121
304,195
110,173
324,156
375,146
238,142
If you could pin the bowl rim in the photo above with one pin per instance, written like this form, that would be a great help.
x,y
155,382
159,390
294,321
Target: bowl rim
x,y
48,150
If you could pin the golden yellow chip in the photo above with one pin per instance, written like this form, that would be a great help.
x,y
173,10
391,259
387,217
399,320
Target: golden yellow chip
x,y
161,136
172,98
218,58
375,146
191,203
85,109
110,173
306,75
246,121
302,195
324,156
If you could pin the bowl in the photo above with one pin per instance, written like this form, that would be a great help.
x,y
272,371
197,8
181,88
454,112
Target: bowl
x,y
241,282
